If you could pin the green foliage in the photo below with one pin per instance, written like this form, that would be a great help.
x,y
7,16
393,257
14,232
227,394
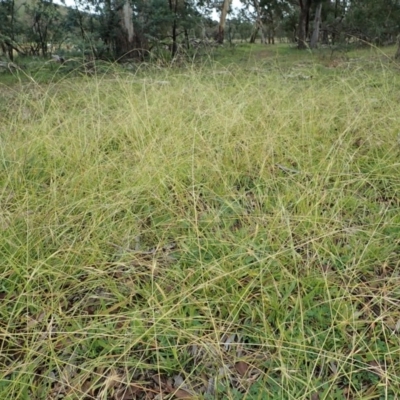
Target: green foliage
x,y
44,26
8,13
374,21
164,29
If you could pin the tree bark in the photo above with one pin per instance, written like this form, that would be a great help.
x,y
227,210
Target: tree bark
x,y
187,39
8,46
221,27
125,42
271,26
173,6
317,24
335,15
397,55
259,20
254,34
130,41
303,23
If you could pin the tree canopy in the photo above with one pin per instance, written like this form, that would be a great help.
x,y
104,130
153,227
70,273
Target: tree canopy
x,y
119,29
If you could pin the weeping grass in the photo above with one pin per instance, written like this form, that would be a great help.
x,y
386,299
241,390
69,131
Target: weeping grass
x,y
234,230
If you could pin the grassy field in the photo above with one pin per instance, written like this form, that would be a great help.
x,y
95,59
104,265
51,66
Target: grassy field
x,y
228,231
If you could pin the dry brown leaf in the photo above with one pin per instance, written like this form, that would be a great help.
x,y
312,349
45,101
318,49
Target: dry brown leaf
x,y
242,367
128,393
160,380
178,393
87,387
182,394
161,386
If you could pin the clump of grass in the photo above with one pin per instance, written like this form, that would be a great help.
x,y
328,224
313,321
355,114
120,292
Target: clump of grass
x,y
201,232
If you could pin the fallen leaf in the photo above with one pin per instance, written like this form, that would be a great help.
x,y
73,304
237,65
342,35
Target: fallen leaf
x,y
129,393
182,394
242,367
178,380
159,380
178,393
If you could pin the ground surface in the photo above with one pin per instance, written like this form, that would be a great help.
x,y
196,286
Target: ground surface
x,y
220,231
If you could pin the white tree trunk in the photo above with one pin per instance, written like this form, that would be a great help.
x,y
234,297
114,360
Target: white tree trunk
x,y
317,23
126,35
127,20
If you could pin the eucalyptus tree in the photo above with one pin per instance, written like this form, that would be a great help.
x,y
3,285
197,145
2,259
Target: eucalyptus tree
x,y
252,12
10,28
43,26
244,24
267,17
222,20
317,24
376,21
331,21
274,12
297,16
130,28
303,24
32,27
259,27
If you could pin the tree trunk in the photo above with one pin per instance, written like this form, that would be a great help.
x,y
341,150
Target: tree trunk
x,y
335,15
125,42
130,41
43,42
317,23
259,22
271,36
174,8
10,53
397,55
221,27
253,36
174,47
271,28
109,23
303,23
187,39
203,31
